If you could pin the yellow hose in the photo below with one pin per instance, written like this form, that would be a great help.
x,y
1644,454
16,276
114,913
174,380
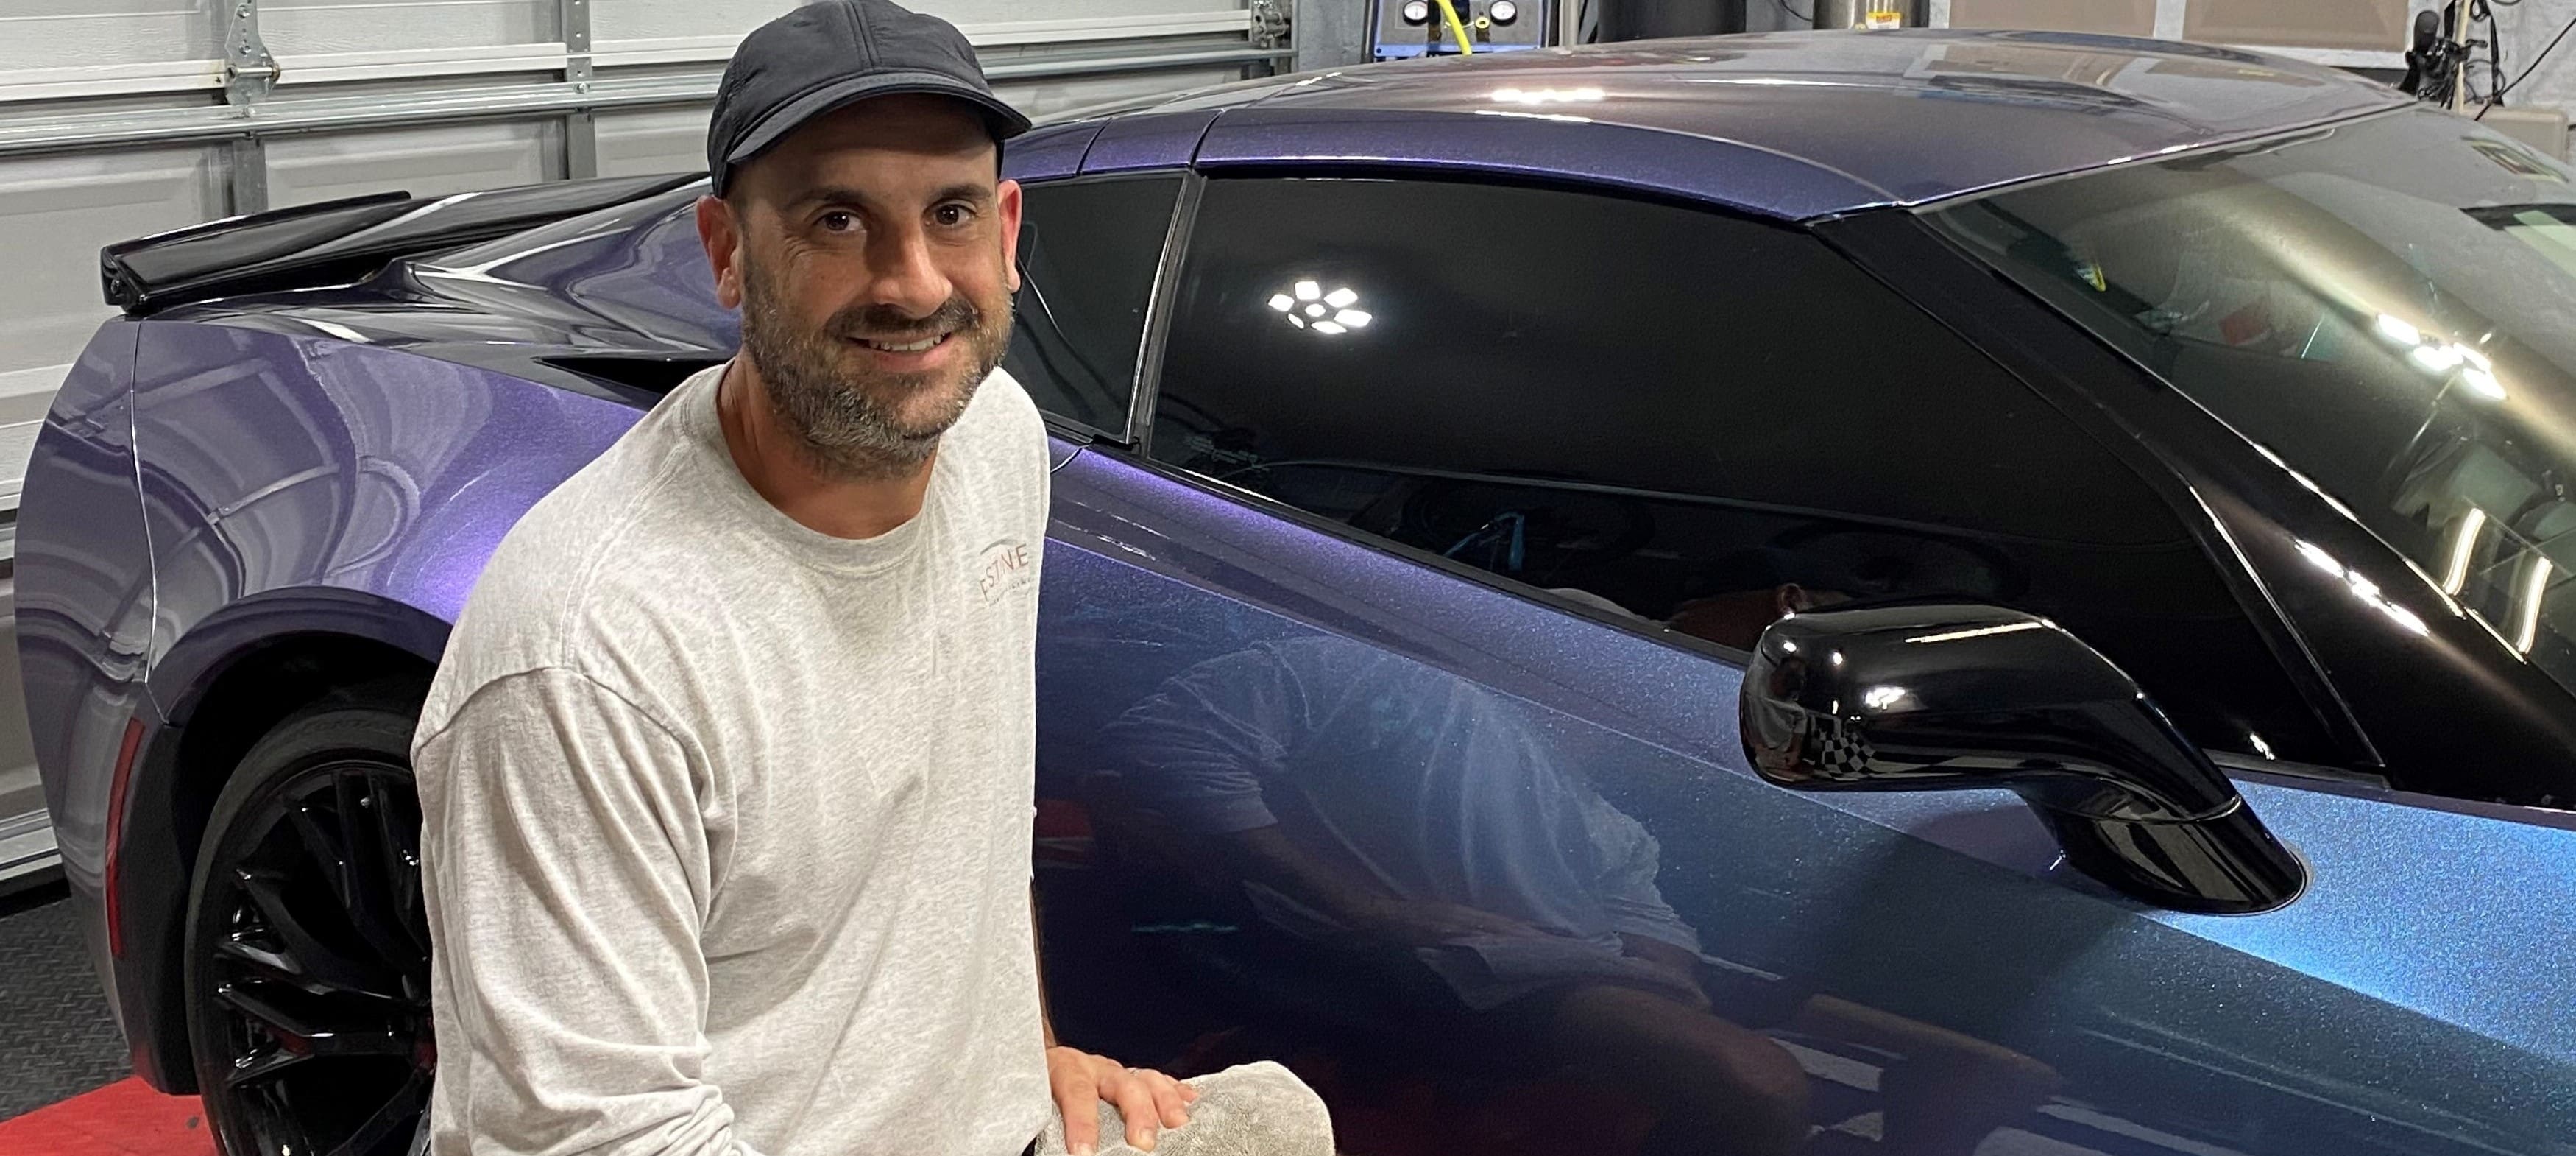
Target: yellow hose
x,y
1457,28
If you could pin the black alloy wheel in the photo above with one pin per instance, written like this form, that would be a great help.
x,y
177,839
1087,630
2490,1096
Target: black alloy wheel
x,y
308,948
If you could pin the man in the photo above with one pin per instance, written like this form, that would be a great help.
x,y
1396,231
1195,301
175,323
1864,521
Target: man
x,y
727,777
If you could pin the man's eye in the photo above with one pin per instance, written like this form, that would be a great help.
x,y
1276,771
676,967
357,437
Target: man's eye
x,y
952,215
839,222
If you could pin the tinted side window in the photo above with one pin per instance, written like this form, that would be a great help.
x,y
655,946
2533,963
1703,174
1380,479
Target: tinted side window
x,y
1699,421
2389,308
1088,250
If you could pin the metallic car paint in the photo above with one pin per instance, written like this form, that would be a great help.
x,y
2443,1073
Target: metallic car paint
x,y
84,610
404,476
2037,104
1520,143
1152,141
83,601
1943,907
1049,152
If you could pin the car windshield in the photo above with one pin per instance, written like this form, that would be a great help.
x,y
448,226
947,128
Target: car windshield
x,y
2387,306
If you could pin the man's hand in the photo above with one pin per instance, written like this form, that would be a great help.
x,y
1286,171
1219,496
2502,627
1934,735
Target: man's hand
x,y
1148,1101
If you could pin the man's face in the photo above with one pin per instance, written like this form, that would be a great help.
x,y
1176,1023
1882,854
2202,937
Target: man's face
x,y
871,253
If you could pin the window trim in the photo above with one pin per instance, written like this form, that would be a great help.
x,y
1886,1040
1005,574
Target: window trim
x,y
1158,313
1184,205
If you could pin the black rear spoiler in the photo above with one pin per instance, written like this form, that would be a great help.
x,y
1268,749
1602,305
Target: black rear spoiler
x,y
342,240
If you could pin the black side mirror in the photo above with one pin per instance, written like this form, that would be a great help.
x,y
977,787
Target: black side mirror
x,y
1930,697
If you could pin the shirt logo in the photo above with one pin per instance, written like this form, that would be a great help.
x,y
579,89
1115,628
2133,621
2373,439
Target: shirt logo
x,y
1008,567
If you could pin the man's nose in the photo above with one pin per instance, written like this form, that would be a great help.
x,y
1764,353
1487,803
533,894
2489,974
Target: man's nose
x,y
908,275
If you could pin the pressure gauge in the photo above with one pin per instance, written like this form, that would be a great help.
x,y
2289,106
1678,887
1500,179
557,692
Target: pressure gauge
x,y
1416,11
1503,11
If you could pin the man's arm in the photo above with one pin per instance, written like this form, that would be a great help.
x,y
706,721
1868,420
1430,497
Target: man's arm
x,y
566,869
1080,1081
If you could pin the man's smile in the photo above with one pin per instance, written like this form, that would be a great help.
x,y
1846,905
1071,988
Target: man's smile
x,y
909,345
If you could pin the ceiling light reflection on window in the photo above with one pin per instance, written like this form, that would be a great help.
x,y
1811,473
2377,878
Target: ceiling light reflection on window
x,y
2526,632
1308,305
2455,578
2441,358
2438,358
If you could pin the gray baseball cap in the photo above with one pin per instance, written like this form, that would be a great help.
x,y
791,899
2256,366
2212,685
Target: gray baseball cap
x,y
832,53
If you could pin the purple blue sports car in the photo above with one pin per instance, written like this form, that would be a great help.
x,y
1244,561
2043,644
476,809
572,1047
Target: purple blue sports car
x,y
1925,593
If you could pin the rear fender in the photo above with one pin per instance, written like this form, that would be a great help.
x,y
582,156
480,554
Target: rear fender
x,y
297,492
276,463
83,595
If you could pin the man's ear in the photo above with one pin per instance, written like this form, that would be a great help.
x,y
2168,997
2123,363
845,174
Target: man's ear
x,y
1790,598
721,233
1006,202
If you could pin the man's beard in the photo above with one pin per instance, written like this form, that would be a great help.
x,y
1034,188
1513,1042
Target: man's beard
x,y
849,421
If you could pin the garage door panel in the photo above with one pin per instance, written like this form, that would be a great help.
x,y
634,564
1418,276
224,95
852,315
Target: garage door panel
x,y
328,26
71,33
2114,17
653,141
56,212
2364,24
662,19
426,162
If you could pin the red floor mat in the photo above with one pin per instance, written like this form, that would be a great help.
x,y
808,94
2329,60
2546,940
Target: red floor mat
x,y
126,1118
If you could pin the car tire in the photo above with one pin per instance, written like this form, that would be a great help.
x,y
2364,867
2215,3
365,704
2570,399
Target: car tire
x,y
307,966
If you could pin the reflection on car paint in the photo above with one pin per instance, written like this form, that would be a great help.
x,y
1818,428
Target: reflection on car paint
x,y
1943,914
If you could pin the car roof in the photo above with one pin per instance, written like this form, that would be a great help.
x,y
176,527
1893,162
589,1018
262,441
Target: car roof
x,y
1809,123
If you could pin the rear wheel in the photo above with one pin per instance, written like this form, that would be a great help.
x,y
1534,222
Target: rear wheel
x,y
308,952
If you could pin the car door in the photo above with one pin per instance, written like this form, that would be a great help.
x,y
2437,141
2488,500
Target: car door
x,y
1388,694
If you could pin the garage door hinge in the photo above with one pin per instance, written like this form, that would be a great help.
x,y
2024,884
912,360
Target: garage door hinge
x,y
1269,23
249,71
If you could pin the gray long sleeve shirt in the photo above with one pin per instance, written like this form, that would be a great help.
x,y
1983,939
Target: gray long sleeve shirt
x,y
726,823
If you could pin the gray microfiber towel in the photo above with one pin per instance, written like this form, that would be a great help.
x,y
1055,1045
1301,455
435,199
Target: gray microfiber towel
x,y
1255,1110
